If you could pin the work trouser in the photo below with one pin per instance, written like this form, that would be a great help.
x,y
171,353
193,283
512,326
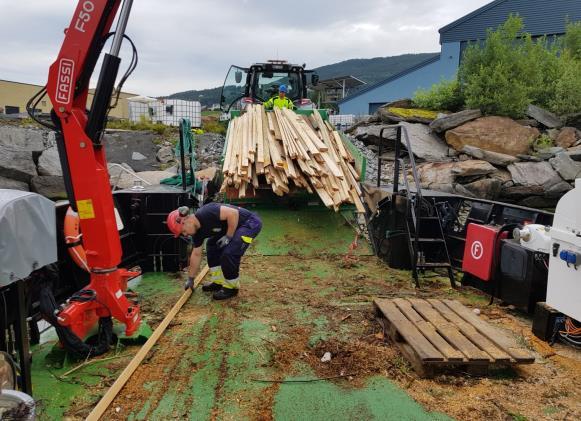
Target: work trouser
x,y
225,262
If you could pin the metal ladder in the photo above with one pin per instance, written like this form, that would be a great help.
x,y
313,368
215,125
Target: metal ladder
x,y
425,235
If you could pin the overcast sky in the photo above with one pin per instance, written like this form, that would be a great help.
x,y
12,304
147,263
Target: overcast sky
x,y
189,44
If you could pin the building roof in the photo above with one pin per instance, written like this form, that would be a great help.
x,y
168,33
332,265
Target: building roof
x,y
470,15
337,82
540,17
91,90
391,78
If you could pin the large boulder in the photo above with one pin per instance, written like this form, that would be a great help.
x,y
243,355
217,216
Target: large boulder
x,y
449,172
546,118
496,134
7,183
124,146
425,144
516,193
411,115
454,188
21,139
532,174
567,168
50,186
503,176
17,165
472,168
495,158
450,121
485,188
567,137
575,153
400,103
49,162
539,202
369,134
165,154
435,173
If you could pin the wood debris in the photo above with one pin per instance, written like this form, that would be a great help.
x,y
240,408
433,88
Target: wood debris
x,y
286,150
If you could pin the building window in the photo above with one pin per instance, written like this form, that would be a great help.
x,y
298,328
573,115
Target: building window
x,y
169,109
9,109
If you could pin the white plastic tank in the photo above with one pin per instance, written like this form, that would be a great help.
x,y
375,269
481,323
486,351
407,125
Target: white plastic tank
x,y
534,237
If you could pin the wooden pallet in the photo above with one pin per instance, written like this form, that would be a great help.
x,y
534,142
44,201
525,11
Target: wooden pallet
x,y
436,335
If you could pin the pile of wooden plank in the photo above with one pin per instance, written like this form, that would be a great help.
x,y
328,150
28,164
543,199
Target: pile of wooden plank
x,y
290,150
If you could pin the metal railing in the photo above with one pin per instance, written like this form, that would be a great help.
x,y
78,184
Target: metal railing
x,y
413,206
130,172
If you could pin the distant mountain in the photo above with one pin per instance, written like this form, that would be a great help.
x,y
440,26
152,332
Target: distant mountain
x,y
372,70
369,70
207,97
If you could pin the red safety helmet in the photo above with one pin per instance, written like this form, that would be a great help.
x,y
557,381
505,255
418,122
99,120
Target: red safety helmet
x,y
175,220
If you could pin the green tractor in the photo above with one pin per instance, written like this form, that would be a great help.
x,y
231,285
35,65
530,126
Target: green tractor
x,y
259,82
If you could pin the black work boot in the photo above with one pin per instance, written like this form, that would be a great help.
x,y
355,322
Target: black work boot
x,y
211,286
225,293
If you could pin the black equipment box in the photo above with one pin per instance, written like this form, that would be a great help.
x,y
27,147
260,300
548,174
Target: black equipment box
x,y
523,275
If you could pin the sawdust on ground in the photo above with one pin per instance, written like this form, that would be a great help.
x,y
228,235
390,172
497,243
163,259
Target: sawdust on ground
x,y
547,390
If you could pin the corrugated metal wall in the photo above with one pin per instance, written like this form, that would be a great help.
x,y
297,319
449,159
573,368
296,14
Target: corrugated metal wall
x,y
541,17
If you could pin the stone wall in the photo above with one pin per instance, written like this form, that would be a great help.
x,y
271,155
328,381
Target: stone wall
x,y
531,162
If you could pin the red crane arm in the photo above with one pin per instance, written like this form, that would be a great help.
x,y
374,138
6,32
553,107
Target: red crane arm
x,y
84,162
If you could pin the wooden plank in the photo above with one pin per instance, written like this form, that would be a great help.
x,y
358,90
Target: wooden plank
x,y
449,331
427,329
229,142
332,165
421,367
275,126
260,136
326,138
265,138
408,331
357,201
114,390
344,151
505,342
470,332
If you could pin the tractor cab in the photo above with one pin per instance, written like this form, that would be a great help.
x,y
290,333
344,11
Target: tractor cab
x,y
260,82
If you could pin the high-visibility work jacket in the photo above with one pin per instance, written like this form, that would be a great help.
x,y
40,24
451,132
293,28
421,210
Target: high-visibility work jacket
x,y
279,102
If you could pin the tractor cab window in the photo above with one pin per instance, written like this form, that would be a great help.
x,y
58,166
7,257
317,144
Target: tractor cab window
x,y
268,83
234,87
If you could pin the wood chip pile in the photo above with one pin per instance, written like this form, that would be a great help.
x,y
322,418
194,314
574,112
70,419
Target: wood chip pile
x,y
290,150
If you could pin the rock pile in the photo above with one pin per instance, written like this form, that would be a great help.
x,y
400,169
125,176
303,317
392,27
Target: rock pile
x,y
209,147
531,162
29,158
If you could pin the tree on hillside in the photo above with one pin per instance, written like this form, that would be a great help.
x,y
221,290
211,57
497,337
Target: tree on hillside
x,y
510,70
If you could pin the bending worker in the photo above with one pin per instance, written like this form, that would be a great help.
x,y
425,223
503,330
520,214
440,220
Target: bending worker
x,y
280,101
229,230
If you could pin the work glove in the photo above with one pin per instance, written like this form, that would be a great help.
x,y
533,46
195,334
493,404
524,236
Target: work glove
x,y
189,284
223,241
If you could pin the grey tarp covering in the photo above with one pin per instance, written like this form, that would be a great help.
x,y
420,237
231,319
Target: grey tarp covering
x,y
27,234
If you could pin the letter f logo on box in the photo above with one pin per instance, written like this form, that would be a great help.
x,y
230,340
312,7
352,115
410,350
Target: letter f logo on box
x,y
477,250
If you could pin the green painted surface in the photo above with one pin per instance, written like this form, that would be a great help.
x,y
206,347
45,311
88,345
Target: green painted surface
x,y
380,399
56,394
306,231
294,287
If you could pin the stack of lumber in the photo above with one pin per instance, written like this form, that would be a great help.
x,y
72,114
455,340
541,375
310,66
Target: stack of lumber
x,y
289,150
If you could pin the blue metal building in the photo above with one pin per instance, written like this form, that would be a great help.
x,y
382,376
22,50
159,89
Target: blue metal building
x,y
540,17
